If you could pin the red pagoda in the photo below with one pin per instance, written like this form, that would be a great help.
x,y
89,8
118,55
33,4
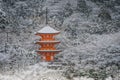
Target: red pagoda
x,y
47,43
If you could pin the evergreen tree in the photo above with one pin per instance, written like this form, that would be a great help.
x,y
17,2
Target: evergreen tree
x,y
83,8
68,10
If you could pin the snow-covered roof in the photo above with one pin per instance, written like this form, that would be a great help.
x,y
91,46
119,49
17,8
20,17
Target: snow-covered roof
x,y
48,29
47,41
48,50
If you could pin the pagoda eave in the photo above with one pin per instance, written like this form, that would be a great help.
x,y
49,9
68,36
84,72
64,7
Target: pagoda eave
x,y
37,33
48,50
45,42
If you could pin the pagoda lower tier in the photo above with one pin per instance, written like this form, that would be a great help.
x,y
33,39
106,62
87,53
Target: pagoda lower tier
x,y
47,50
48,55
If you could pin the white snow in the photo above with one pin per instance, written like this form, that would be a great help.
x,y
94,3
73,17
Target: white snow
x,y
83,78
38,72
35,72
109,78
3,57
48,29
86,48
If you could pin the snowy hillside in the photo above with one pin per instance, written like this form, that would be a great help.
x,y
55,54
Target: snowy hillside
x,y
90,39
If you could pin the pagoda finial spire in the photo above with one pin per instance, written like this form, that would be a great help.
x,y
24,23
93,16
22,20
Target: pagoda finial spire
x,y
46,15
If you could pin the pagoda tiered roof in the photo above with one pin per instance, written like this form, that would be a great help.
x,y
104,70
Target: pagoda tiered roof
x,y
47,43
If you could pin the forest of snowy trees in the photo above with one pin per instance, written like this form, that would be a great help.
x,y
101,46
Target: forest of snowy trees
x,y
90,38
